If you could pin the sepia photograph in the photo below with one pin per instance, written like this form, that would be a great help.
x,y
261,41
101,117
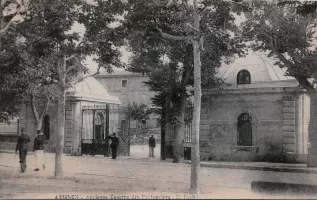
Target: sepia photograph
x,y
158,99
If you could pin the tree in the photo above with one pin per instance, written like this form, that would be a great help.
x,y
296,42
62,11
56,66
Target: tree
x,y
302,7
139,112
290,38
172,59
10,12
11,90
55,52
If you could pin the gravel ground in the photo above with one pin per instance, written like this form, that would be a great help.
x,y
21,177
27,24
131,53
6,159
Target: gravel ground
x,y
96,177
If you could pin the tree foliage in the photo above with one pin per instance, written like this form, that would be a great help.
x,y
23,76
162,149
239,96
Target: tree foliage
x,y
139,112
151,52
286,35
49,54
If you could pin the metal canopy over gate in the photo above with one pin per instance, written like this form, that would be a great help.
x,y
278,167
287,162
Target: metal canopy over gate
x,y
95,130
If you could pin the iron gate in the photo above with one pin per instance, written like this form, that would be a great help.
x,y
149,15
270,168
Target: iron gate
x,y
94,139
98,123
169,143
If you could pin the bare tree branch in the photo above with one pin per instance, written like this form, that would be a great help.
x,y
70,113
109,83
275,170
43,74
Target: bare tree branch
x,y
35,112
193,28
69,58
302,80
201,43
173,37
91,75
47,103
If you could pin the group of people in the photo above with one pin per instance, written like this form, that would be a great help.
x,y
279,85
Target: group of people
x,y
38,148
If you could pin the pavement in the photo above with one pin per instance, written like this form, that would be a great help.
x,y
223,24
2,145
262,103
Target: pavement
x,y
140,152
140,174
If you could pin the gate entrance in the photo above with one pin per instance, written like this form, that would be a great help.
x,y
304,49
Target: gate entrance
x,y
95,130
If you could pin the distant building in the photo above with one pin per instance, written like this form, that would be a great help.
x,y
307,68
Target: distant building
x,y
129,87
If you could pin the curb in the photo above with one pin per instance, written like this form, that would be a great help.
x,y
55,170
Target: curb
x,y
279,187
12,152
273,169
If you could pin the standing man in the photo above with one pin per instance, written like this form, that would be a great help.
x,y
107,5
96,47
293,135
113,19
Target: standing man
x,y
114,145
151,146
22,147
38,149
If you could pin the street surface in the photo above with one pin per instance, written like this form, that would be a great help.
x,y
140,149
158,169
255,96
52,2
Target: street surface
x,y
93,177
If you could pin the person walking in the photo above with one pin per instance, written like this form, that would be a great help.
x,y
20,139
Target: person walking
x,y
22,147
151,146
114,145
38,149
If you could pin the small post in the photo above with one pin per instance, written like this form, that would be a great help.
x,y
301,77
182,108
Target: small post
x,y
129,110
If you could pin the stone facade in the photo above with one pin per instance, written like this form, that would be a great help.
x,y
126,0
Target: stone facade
x,y
90,94
279,113
129,87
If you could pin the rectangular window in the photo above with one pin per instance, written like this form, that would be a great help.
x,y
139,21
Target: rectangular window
x,y
124,83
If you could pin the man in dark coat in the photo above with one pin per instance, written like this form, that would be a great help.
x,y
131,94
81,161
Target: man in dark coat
x,y
22,147
151,146
114,145
38,149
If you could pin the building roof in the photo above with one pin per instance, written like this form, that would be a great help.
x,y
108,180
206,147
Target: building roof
x,y
262,70
118,72
91,90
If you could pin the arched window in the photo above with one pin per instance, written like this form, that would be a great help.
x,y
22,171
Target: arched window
x,y
46,127
244,130
244,77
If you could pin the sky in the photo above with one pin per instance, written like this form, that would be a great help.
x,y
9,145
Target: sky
x,y
90,63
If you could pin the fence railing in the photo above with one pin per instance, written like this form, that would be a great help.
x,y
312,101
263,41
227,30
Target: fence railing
x,y
142,140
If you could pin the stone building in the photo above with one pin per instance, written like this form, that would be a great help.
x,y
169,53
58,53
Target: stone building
x,y
129,87
86,118
262,115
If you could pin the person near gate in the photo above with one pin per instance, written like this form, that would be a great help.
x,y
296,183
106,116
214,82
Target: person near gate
x,y
38,149
22,147
114,145
151,146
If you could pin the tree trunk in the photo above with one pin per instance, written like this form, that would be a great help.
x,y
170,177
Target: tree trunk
x,y
312,133
38,118
61,121
1,21
178,155
39,124
163,124
195,155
